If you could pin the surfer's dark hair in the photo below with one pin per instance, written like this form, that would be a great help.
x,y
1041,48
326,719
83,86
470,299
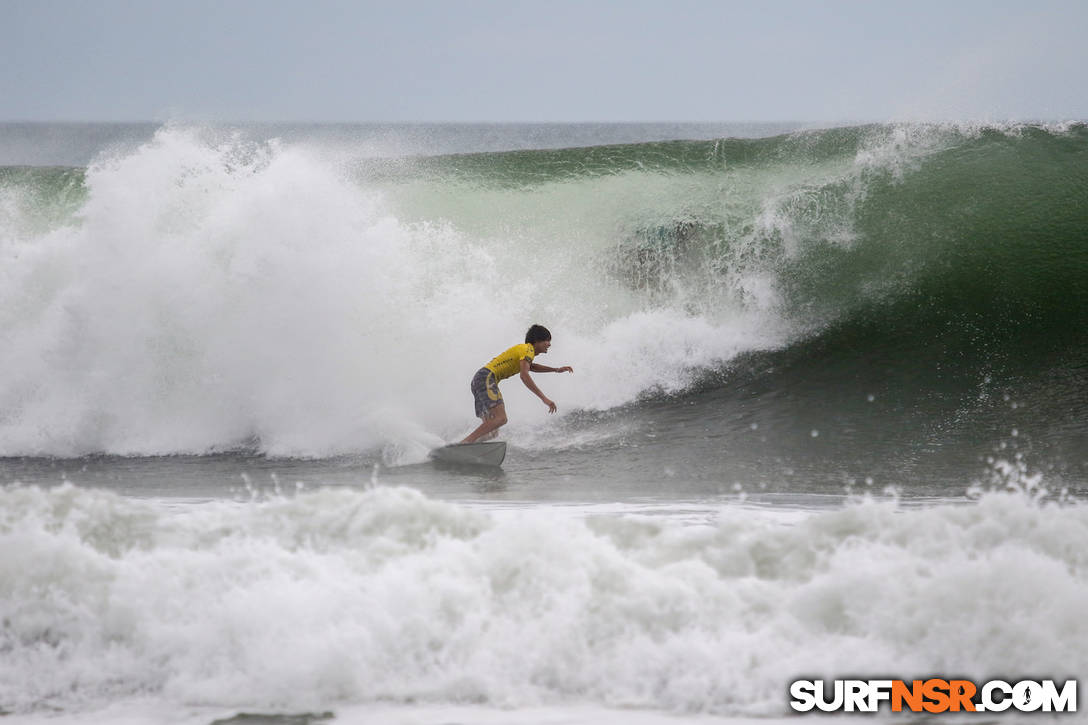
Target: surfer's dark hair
x,y
537,333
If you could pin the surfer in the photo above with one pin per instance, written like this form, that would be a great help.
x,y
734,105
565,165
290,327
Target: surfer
x,y
518,359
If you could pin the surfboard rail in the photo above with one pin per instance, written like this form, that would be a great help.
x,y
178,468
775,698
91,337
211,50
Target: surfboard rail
x,y
490,453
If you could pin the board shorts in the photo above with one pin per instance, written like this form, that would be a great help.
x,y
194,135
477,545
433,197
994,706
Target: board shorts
x,y
485,392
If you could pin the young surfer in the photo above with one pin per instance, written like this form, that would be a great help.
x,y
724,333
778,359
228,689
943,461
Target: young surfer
x,y
518,359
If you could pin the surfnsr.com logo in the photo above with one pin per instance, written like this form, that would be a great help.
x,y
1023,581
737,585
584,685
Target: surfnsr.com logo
x,y
933,695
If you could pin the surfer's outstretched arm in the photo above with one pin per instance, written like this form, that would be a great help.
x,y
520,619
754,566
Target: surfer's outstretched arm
x,y
528,380
538,368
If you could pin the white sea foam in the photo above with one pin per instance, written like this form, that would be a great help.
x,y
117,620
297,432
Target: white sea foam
x,y
344,597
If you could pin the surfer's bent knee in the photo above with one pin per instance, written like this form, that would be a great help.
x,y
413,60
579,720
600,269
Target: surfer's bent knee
x,y
497,414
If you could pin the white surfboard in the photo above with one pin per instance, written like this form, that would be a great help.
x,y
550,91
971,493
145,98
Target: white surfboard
x,y
490,453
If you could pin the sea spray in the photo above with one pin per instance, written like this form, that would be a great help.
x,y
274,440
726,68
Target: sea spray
x,y
210,296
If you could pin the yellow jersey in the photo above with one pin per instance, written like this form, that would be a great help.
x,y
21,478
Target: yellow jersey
x,y
508,364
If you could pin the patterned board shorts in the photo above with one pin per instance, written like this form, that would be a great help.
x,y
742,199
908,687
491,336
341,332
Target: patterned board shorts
x,y
485,391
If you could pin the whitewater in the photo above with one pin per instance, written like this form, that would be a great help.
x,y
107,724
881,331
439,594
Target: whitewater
x,y
828,418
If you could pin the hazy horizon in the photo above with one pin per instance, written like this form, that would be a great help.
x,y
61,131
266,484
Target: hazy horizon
x,y
420,61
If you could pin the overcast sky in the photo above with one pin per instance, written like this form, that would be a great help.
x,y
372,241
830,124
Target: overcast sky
x,y
546,60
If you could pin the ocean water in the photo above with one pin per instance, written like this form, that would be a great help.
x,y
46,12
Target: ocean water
x,y
829,418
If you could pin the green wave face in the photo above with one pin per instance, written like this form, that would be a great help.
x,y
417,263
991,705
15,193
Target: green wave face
x,y
36,199
824,225
941,271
